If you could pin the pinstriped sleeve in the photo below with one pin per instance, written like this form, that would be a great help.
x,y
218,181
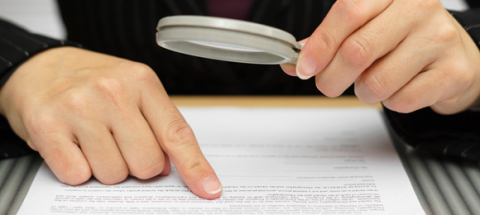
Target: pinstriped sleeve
x,y
16,46
451,135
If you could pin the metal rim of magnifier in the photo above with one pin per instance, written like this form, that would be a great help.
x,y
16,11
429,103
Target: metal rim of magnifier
x,y
186,34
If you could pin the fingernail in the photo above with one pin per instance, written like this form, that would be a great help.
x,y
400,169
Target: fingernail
x,y
306,68
211,185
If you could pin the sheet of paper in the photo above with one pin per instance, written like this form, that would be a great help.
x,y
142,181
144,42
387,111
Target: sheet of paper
x,y
270,161
459,5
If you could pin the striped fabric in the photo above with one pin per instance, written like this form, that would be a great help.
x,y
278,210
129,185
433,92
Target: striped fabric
x,y
469,21
17,45
233,9
127,28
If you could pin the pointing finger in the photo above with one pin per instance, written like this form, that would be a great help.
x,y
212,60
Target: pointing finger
x,y
178,140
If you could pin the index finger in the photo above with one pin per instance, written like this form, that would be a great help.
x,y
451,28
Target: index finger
x,y
344,18
178,141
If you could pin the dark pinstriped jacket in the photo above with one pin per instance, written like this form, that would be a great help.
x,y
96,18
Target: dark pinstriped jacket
x,y
126,28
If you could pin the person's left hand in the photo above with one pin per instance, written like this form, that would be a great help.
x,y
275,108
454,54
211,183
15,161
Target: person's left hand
x,y
408,54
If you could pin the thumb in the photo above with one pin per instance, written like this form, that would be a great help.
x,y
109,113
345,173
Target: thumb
x,y
307,65
290,69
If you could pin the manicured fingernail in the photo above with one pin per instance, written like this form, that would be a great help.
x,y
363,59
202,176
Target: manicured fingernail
x,y
306,68
211,185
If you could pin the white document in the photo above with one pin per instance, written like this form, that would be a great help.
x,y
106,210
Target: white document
x,y
458,5
269,160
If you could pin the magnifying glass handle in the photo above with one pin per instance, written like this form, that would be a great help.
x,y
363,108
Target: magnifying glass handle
x,y
299,47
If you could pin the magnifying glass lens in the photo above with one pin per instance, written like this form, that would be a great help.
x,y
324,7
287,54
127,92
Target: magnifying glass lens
x,y
227,40
223,46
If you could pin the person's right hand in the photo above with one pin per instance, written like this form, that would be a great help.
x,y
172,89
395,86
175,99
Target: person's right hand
x,y
89,113
407,54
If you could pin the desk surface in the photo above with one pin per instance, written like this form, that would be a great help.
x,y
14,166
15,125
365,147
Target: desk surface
x,y
443,185
270,101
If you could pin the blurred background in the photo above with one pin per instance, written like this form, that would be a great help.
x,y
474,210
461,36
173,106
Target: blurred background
x,y
42,17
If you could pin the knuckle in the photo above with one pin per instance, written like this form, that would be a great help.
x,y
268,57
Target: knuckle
x,y
323,42
400,105
464,71
76,101
357,51
178,135
195,166
67,169
331,93
148,171
142,72
113,177
448,106
109,87
373,87
458,74
465,77
352,10
76,175
451,105
327,91
446,34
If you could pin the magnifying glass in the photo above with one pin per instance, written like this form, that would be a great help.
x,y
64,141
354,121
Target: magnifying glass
x,y
227,40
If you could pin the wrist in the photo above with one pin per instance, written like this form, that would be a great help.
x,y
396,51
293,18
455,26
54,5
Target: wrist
x,y
13,83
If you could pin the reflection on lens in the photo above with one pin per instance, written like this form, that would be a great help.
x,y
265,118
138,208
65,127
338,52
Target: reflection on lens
x,y
224,46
